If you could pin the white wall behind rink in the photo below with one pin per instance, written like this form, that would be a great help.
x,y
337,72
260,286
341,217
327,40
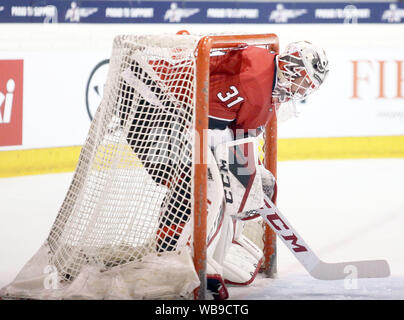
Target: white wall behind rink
x,y
363,96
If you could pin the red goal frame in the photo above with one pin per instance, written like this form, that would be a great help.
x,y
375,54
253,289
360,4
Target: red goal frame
x,y
205,45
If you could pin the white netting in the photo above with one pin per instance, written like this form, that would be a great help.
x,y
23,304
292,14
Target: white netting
x,y
130,198
124,228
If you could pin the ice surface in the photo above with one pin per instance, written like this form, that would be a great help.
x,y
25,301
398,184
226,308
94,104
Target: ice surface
x,y
344,209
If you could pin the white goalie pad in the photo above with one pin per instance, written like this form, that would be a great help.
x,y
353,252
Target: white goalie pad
x,y
241,258
242,183
214,269
215,204
240,266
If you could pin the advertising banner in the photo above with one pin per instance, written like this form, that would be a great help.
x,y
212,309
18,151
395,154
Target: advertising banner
x,y
55,75
11,102
67,11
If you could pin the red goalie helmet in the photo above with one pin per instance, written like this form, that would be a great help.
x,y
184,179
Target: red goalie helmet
x,y
302,68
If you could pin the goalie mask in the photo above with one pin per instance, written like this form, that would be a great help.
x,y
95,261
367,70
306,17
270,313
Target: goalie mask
x,y
302,68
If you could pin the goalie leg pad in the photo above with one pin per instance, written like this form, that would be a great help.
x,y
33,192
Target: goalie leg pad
x,y
240,266
215,282
243,258
241,175
238,165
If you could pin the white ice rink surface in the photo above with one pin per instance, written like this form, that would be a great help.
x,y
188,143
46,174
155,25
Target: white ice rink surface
x,y
345,210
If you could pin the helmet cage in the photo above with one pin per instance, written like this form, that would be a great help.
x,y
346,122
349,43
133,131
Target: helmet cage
x,y
301,70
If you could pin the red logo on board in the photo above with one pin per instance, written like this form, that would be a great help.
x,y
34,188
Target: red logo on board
x,y
11,90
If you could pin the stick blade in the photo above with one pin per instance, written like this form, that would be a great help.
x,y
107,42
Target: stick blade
x,y
352,270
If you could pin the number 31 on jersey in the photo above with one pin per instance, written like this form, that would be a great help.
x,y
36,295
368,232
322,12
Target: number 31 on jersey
x,y
231,97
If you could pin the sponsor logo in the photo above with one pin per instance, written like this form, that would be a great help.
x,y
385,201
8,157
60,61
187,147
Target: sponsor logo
x,y
75,13
95,87
285,231
349,14
230,13
223,167
175,14
52,16
49,13
282,15
387,83
11,95
393,14
119,13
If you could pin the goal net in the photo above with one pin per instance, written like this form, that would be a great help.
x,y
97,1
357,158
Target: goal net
x,y
127,226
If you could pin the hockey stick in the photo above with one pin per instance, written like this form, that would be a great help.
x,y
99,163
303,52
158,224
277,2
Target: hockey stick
x,y
316,267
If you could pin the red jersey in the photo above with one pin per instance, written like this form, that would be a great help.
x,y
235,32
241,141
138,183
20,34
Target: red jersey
x,y
240,92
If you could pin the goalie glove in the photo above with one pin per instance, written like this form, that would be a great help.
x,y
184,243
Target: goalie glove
x,y
268,182
268,188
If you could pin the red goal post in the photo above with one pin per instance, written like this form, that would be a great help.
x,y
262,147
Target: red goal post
x,y
206,44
